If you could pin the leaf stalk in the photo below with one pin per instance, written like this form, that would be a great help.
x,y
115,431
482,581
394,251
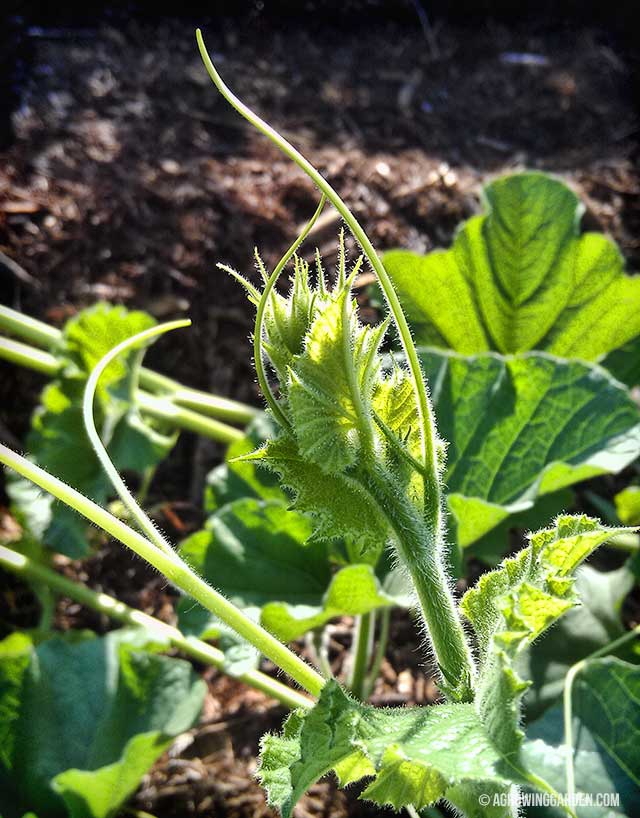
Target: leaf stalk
x,y
173,568
197,649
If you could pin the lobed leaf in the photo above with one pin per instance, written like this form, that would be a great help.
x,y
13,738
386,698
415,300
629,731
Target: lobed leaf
x,y
521,277
583,630
415,755
513,605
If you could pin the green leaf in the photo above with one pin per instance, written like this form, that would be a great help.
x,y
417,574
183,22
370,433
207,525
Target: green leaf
x,y
523,426
353,591
339,505
235,479
521,277
331,386
515,604
87,719
628,505
57,426
582,631
418,755
257,553
607,692
606,728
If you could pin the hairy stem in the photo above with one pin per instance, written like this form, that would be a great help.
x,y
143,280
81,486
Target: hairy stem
x,y
174,569
422,552
24,567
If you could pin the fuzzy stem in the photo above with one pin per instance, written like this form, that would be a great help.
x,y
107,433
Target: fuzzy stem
x,y
174,569
102,603
422,552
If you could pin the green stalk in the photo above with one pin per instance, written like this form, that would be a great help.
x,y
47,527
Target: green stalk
x,y
423,555
381,649
162,409
421,549
360,655
144,522
174,569
213,405
567,698
43,335
28,357
26,568
27,328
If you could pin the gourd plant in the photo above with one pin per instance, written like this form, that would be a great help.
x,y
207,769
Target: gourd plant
x,y
356,444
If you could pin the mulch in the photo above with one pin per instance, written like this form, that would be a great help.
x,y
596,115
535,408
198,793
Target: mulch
x,y
129,178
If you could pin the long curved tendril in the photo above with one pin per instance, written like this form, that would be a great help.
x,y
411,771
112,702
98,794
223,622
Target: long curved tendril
x,y
145,524
262,305
433,507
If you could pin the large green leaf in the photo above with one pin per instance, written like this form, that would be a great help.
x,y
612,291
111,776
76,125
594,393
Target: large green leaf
x,y
523,426
259,555
581,632
85,719
521,277
416,755
607,740
57,428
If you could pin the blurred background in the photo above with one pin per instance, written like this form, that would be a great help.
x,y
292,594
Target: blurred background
x,y
125,177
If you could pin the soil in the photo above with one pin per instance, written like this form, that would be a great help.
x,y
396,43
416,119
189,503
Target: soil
x,y
127,178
